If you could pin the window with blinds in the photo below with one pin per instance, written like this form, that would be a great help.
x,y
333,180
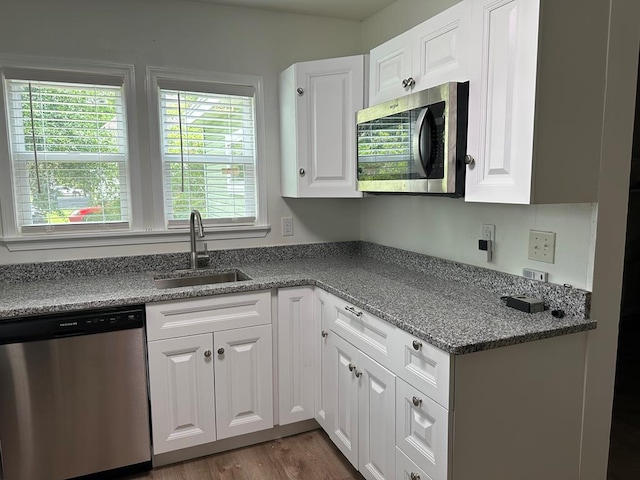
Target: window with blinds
x,y
69,155
209,154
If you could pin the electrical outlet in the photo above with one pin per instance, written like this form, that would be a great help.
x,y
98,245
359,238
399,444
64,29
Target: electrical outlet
x,y
488,232
287,226
532,274
487,240
542,246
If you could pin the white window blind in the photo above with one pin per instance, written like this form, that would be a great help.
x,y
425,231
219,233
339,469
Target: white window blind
x,y
209,160
69,156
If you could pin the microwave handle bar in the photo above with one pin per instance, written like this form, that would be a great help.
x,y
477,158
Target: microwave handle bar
x,y
417,142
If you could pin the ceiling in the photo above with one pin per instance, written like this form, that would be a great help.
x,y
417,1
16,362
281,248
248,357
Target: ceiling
x,y
346,9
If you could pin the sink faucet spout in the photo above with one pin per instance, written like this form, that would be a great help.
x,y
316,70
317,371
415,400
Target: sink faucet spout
x,y
195,223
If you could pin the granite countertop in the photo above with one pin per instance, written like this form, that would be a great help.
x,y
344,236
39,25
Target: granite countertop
x,y
458,317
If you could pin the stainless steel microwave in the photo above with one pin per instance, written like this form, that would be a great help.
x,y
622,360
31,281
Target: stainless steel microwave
x,y
415,144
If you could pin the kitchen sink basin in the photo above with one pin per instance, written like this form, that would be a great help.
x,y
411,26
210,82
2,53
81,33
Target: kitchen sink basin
x,y
191,278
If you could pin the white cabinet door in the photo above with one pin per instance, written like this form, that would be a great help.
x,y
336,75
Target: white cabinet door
x,y
321,333
390,65
376,420
441,47
319,101
244,380
422,430
181,389
502,91
295,354
432,53
342,416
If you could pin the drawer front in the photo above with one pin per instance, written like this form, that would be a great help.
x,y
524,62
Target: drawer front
x,y
177,318
366,332
407,470
422,430
426,367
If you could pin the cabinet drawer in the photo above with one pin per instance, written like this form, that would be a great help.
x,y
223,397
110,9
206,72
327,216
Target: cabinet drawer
x,y
176,318
407,470
366,332
426,367
422,430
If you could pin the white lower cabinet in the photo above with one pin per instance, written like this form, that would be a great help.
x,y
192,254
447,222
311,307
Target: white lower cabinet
x,y
209,386
360,411
181,384
407,470
422,430
243,378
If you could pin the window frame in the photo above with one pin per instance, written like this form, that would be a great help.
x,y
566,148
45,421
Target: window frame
x,y
147,223
195,81
60,70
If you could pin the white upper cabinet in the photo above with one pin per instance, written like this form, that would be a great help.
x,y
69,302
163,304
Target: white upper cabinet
x,y
318,105
432,53
535,101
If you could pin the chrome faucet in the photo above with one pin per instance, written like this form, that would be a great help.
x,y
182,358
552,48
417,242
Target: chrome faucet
x,y
195,256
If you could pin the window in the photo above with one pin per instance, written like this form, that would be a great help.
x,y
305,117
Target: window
x,y
208,149
68,149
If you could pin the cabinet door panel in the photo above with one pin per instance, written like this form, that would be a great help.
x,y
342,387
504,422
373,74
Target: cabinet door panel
x,y
376,420
502,100
333,91
321,357
422,430
441,47
390,64
426,367
295,354
181,388
343,414
244,386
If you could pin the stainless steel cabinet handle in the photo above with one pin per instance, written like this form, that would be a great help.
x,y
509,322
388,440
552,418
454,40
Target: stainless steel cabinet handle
x,y
302,172
417,401
417,345
221,351
352,367
300,91
414,476
324,334
408,82
207,353
353,310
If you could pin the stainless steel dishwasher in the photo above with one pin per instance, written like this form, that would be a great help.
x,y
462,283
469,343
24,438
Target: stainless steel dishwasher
x,y
73,395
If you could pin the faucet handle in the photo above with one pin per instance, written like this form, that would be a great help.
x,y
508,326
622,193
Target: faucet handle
x,y
203,257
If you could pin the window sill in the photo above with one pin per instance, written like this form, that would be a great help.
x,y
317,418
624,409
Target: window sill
x,y
108,239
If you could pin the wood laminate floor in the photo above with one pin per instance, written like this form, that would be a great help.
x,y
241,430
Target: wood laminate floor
x,y
307,456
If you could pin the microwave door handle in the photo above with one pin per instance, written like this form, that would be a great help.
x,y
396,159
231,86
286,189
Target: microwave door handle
x,y
417,142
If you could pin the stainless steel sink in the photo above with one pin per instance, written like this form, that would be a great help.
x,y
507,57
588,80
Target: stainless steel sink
x,y
191,278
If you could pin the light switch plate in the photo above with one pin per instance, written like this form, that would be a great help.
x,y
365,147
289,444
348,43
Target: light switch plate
x,y
542,246
287,226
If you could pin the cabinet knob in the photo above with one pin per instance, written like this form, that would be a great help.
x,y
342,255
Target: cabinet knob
x,y
358,373
352,367
414,476
300,91
221,351
469,160
302,172
324,334
207,354
417,345
408,82
417,401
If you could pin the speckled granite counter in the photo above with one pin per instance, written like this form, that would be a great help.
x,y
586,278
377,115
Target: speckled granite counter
x,y
452,306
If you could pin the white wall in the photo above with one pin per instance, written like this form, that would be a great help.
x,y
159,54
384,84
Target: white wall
x,y
450,228
197,36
